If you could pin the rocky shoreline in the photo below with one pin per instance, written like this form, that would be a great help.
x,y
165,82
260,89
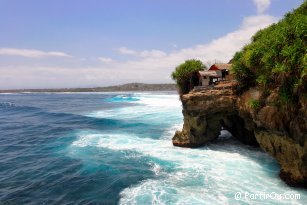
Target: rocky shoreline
x,y
282,134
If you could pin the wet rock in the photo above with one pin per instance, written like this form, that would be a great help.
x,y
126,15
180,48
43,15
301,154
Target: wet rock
x,y
280,132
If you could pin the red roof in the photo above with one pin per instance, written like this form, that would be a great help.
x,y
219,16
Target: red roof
x,y
220,66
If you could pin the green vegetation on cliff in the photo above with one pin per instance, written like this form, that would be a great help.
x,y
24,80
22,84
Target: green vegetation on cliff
x,y
276,58
183,73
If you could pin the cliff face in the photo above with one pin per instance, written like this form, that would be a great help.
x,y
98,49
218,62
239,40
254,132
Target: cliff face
x,y
282,134
205,112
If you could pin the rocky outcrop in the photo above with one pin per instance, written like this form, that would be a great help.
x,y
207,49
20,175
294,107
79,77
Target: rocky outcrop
x,y
208,109
202,113
281,133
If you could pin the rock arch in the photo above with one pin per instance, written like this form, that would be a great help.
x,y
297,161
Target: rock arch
x,y
206,112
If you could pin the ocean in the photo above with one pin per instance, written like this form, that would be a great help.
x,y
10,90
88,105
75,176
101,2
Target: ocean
x,y
116,148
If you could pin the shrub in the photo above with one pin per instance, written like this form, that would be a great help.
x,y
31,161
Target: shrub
x,y
276,57
183,74
241,72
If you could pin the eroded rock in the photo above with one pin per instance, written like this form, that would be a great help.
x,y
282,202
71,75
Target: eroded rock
x,y
205,112
281,133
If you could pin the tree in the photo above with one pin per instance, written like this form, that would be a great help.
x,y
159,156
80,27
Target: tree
x,y
183,74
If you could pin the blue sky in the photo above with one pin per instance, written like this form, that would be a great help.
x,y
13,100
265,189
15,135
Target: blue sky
x,y
85,43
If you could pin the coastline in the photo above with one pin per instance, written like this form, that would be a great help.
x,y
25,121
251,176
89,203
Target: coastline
x,y
134,87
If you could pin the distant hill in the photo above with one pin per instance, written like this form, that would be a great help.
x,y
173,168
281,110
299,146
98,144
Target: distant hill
x,y
123,88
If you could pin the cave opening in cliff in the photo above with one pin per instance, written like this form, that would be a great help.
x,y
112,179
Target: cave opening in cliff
x,y
235,126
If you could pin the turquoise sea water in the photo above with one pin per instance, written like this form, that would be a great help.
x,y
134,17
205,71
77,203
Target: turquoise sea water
x,y
115,148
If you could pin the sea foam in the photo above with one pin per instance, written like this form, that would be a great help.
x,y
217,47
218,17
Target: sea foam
x,y
212,174
208,175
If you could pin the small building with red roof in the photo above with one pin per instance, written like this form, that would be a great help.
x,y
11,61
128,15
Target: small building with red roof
x,y
217,72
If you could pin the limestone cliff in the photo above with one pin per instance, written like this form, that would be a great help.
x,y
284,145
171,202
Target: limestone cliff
x,y
282,134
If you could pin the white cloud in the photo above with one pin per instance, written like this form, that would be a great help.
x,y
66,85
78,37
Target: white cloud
x,y
124,50
105,60
262,5
152,66
152,54
31,53
221,49
142,54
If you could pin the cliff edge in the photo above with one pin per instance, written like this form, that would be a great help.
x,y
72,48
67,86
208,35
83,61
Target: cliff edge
x,y
282,134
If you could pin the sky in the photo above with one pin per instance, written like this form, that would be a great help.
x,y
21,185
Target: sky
x,y
89,43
